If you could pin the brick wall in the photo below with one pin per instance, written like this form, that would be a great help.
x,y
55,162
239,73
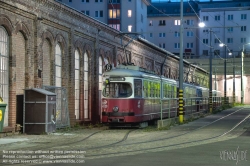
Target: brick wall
x,y
20,52
46,71
34,28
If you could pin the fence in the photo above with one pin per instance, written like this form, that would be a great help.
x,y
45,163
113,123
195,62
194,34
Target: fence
x,y
192,106
62,111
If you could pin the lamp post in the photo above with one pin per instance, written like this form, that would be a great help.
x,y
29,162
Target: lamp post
x,y
225,72
225,76
181,66
233,77
242,74
210,75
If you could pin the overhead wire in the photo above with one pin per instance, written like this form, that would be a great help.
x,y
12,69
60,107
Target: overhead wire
x,y
216,53
231,20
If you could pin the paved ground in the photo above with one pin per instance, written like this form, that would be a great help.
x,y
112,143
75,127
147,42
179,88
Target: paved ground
x,y
217,139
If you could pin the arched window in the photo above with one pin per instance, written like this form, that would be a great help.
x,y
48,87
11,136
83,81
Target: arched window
x,y
58,66
46,62
77,83
106,61
4,70
100,73
86,90
100,83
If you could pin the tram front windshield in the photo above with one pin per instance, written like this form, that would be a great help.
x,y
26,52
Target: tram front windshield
x,y
117,90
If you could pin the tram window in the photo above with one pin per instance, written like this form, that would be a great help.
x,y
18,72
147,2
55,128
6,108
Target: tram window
x,y
138,88
117,90
159,89
175,91
170,90
155,90
151,89
146,88
166,90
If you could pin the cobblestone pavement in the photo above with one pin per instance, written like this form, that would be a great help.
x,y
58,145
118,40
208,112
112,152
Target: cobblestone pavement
x,y
102,142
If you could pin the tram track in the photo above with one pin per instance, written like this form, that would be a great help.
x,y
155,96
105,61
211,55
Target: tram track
x,y
160,139
89,136
174,144
58,143
62,143
118,149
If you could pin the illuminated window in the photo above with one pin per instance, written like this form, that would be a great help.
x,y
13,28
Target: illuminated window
x,y
130,28
4,70
177,22
129,13
58,66
77,83
114,13
115,26
150,23
86,89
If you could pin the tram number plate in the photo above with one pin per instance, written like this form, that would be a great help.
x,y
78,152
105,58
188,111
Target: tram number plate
x,y
108,67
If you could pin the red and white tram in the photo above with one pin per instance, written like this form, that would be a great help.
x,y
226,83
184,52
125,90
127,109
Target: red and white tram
x,y
132,95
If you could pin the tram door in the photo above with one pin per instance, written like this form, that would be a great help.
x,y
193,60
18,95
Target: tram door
x,y
199,95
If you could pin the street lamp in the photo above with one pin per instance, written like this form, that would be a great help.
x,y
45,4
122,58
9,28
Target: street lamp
x,y
242,74
181,103
201,24
233,77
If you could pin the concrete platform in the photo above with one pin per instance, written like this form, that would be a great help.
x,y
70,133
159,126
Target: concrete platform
x,y
11,140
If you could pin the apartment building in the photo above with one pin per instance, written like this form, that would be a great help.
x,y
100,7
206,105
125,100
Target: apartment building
x,y
228,23
159,23
123,15
164,26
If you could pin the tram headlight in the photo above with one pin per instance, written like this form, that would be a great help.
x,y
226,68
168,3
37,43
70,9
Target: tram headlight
x,y
116,109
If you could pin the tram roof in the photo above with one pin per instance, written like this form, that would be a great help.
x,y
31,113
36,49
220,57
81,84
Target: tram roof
x,y
121,72
134,71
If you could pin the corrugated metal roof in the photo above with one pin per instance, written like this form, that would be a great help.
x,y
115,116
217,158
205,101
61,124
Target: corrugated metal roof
x,y
42,91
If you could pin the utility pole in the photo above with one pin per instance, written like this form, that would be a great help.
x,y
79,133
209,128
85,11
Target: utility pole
x,y
181,103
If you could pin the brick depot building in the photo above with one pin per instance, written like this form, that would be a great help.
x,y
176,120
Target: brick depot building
x,y
43,42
